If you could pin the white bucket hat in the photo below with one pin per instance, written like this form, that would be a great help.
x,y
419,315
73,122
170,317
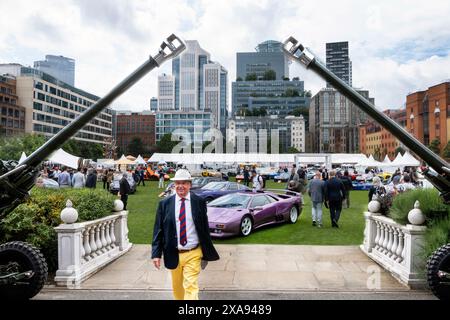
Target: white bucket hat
x,y
182,175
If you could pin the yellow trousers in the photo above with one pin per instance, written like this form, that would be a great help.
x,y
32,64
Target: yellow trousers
x,y
185,276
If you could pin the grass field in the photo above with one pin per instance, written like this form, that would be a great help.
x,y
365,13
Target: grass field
x,y
142,207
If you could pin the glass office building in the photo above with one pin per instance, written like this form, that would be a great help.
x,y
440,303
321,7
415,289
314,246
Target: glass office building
x,y
60,67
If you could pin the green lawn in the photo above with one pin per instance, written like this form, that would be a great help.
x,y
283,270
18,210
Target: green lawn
x,y
142,207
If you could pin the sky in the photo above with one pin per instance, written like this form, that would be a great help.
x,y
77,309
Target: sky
x,y
396,46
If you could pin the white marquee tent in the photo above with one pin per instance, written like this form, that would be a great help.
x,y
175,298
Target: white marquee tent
x,y
62,157
236,158
140,160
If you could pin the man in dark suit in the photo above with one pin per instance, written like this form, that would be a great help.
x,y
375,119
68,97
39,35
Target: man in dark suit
x,y
334,195
124,190
181,235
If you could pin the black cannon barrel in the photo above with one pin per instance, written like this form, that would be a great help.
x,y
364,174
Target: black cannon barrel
x,y
299,53
168,50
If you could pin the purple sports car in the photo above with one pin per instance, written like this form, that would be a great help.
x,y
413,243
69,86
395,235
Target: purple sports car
x,y
240,213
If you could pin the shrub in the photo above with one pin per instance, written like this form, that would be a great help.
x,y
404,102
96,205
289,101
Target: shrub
x,y
430,204
34,221
435,211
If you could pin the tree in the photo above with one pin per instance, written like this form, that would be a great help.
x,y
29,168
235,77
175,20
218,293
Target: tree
x,y
286,79
291,93
251,77
166,145
110,149
446,152
84,149
295,79
270,75
136,147
400,150
435,146
11,148
292,150
263,112
300,111
308,94
239,79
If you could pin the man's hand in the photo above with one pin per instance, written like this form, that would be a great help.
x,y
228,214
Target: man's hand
x,y
157,263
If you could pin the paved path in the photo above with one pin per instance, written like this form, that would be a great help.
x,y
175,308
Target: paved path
x,y
250,295
290,272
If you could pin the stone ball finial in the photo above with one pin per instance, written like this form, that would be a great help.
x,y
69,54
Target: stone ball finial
x,y
118,205
374,206
69,215
416,216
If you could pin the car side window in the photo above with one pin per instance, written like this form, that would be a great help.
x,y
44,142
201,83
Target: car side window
x,y
233,187
242,187
271,199
259,201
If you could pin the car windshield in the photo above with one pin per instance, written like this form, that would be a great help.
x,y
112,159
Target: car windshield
x,y
197,181
231,201
214,186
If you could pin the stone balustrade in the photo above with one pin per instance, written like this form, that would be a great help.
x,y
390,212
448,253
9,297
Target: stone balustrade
x,y
85,248
397,248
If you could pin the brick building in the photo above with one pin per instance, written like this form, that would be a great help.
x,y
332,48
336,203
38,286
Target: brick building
x,y
375,140
12,121
428,114
132,125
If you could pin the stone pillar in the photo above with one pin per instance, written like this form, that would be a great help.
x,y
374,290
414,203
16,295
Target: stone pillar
x,y
121,230
69,252
414,262
370,231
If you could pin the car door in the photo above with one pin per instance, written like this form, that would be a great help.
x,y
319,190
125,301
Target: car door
x,y
266,210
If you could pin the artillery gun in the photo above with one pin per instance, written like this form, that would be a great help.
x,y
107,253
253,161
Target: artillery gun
x,y
437,172
23,270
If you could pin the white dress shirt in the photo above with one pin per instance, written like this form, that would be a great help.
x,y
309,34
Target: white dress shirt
x,y
191,232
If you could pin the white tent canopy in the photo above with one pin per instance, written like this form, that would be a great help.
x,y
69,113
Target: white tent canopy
x,y
399,161
140,160
22,157
124,161
409,160
387,160
233,158
64,158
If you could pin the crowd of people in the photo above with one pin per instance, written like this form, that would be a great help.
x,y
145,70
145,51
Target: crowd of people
x,y
78,179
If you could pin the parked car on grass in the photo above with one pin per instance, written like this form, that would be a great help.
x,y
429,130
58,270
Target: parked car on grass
x,y
115,184
241,213
214,190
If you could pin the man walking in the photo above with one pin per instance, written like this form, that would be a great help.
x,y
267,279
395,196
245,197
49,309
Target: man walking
x,y
347,181
64,180
316,192
78,180
246,176
257,181
181,235
124,190
91,180
334,195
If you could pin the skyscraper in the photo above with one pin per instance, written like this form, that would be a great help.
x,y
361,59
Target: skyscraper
x,y
197,85
334,122
268,56
338,61
60,67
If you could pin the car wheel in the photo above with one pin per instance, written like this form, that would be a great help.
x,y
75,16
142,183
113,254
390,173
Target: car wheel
x,y
246,226
293,215
209,199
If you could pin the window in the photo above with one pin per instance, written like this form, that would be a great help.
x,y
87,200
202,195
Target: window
x,y
259,201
